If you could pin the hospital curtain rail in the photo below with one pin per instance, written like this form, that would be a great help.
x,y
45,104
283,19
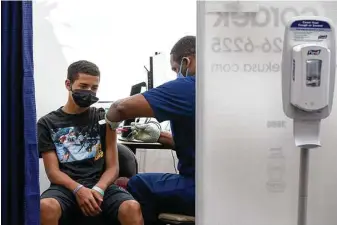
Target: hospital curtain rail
x,y
19,157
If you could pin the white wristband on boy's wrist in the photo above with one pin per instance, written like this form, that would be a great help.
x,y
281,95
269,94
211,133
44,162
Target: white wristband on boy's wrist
x,y
98,189
77,189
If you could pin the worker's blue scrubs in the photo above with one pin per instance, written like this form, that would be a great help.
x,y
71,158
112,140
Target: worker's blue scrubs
x,y
163,192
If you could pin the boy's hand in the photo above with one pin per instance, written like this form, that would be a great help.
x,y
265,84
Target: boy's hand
x,y
98,197
87,202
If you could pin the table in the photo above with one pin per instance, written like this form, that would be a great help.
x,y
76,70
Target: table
x,y
134,145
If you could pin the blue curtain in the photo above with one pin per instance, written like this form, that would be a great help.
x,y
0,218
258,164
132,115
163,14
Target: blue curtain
x,y
19,157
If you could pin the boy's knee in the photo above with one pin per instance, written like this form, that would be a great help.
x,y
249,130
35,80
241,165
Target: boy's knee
x,y
50,209
129,207
130,213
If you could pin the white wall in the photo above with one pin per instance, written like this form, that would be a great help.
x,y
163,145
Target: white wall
x,y
119,36
245,141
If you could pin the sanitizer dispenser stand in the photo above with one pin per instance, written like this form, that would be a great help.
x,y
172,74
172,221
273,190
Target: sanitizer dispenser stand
x,y
308,80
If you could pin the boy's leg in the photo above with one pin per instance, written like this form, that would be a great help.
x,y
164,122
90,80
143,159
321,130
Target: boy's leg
x,y
120,207
57,204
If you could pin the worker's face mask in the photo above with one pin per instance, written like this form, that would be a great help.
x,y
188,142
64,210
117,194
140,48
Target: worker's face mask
x,y
180,73
84,98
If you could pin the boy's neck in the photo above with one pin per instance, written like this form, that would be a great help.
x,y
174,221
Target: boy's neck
x,y
71,108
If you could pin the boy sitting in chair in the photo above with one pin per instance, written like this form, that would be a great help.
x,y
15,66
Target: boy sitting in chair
x,y
80,165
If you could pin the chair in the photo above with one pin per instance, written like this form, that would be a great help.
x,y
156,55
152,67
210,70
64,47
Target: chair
x,y
128,167
171,219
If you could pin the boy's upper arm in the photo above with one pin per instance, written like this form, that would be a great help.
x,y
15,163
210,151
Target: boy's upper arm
x,y
46,147
171,100
45,143
110,138
111,152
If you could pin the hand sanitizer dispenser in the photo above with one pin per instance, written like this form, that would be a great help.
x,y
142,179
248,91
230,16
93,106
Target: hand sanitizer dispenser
x,y
308,81
308,68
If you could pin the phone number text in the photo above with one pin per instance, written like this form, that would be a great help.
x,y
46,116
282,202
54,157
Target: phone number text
x,y
244,45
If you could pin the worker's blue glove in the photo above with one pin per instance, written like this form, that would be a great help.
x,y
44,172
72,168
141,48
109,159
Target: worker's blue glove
x,y
146,132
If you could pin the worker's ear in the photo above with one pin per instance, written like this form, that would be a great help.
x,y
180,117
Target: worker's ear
x,y
186,62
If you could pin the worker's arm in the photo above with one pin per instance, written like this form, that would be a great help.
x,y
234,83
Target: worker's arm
x,y
136,106
111,160
129,108
166,102
166,139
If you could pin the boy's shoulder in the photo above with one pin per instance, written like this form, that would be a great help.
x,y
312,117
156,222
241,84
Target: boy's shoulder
x,y
48,116
58,114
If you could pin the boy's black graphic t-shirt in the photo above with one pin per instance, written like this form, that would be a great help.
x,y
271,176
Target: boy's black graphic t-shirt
x,y
77,140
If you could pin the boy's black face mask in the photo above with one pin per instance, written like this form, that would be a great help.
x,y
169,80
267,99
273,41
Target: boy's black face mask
x,y
84,98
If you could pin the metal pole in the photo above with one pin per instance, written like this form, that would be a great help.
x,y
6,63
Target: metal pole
x,y
303,187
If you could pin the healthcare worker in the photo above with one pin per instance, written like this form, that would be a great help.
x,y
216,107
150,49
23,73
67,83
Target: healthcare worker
x,y
173,101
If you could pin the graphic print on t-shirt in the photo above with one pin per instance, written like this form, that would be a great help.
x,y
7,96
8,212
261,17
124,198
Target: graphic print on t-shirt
x,y
77,143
